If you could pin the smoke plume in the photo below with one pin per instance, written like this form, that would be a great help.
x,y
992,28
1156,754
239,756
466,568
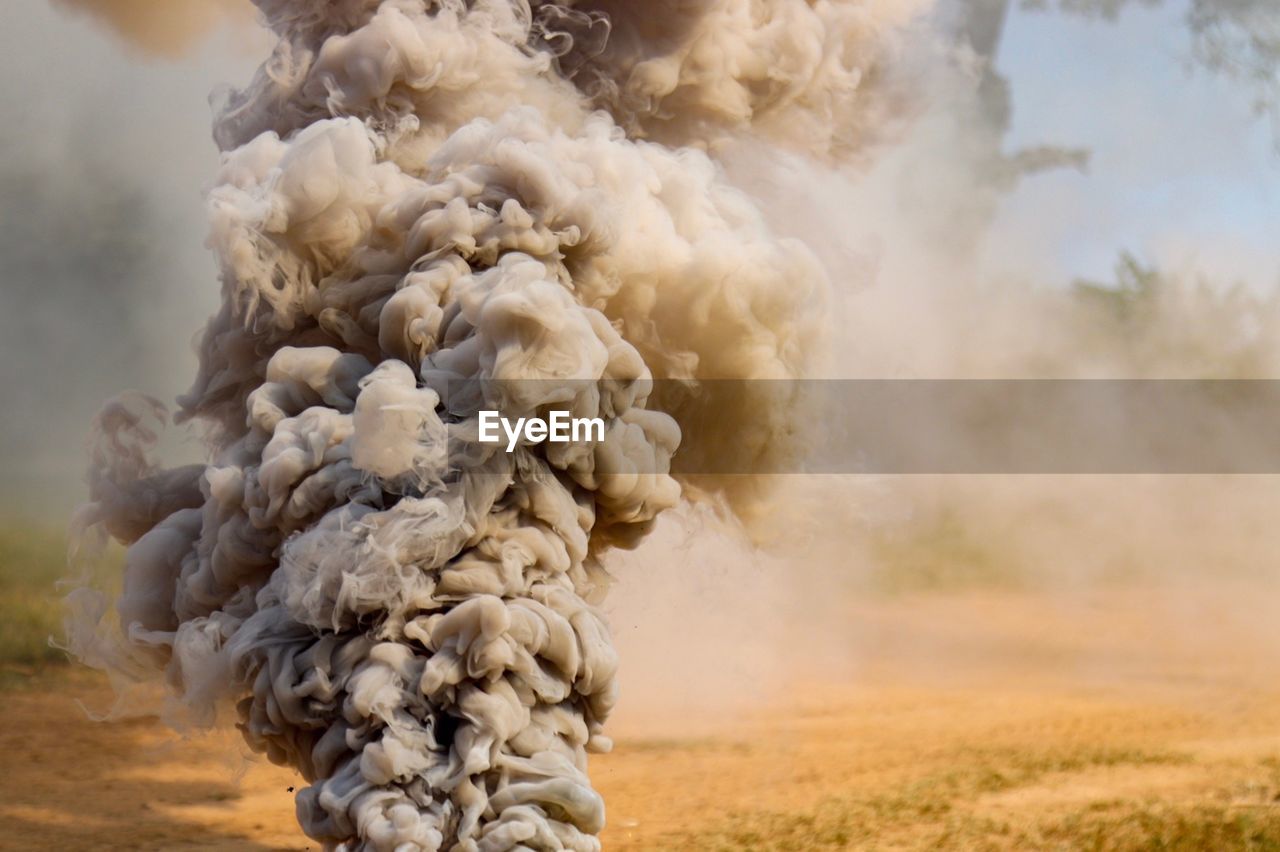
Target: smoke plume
x,y
414,194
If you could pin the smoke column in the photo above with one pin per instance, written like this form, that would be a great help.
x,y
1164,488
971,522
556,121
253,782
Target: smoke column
x,y
415,194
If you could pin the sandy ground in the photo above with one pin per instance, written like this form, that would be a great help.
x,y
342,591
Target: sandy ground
x,y
991,737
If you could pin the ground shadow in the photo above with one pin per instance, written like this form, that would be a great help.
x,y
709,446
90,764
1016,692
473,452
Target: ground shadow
x,y
68,782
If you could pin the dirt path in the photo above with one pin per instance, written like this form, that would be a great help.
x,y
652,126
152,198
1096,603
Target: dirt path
x,y
891,765
1019,752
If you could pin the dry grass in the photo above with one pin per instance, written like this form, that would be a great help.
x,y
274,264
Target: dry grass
x,y
939,812
976,750
877,767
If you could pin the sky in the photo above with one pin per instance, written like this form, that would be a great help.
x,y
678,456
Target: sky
x,y
1183,173
104,153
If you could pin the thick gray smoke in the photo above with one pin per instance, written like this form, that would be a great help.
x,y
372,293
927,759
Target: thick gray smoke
x,y
414,194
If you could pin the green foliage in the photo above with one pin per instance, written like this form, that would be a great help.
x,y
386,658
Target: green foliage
x,y
1130,300
32,560
1147,324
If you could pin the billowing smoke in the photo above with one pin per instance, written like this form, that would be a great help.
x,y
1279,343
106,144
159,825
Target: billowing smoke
x,y
414,196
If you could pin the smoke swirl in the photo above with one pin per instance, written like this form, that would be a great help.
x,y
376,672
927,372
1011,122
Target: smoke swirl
x,y
414,194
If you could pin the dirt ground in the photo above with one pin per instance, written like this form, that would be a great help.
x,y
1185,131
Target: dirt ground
x,y
918,745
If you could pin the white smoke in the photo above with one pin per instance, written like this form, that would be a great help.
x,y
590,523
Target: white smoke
x,y
414,194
